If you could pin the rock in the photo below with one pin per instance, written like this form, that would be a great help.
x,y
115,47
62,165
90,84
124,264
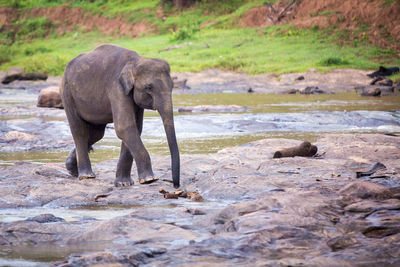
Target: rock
x,y
382,81
387,90
45,218
213,108
248,219
50,98
180,84
359,88
194,211
382,71
312,90
365,189
104,259
289,91
370,205
380,231
15,136
377,166
371,92
305,149
194,196
169,195
341,242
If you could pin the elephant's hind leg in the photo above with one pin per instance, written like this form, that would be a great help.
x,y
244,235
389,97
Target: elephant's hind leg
x,y
96,132
71,164
124,167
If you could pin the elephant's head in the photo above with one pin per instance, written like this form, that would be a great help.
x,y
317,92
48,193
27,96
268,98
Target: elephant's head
x,y
152,86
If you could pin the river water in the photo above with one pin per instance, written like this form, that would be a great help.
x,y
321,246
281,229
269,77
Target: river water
x,y
268,116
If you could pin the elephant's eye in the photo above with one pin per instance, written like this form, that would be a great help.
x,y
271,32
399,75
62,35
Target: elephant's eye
x,y
148,87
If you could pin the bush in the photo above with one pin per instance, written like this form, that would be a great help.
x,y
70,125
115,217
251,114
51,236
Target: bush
x,y
47,63
333,61
36,50
230,63
186,32
6,54
33,27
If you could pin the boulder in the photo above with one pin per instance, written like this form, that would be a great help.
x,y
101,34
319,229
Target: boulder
x,y
311,90
180,84
382,71
365,189
45,218
14,136
382,81
371,92
50,98
289,91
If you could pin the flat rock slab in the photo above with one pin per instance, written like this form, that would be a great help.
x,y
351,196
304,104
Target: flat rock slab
x,y
256,209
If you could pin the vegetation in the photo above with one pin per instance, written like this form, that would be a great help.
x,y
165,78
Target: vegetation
x,y
205,35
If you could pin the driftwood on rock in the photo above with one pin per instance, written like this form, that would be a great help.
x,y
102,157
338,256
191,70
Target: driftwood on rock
x,y
193,196
17,73
305,149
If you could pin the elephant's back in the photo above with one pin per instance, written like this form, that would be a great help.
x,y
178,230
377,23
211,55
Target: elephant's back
x,y
98,68
104,58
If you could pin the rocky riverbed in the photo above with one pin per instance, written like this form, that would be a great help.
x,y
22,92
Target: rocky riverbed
x,y
256,210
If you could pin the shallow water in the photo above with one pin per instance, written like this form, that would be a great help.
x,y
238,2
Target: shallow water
x,y
269,116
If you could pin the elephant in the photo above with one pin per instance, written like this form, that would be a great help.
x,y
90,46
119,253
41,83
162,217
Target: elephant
x,y
115,84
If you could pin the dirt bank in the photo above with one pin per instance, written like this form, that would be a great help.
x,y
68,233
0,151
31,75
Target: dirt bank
x,y
66,19
375,20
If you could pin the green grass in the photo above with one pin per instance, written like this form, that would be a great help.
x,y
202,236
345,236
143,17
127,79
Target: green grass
x,y
280,49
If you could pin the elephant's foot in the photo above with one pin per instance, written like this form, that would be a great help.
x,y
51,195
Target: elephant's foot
x,y
148,180
86,175
123,181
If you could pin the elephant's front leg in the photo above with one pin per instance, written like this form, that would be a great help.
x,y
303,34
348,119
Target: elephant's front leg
x,y
132,142
124,167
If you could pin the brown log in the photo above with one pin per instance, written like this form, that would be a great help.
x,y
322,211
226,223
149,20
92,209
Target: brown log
x,y
305,149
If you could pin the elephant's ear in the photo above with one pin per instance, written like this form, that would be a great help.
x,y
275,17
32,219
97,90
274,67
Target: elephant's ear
x,y
127,78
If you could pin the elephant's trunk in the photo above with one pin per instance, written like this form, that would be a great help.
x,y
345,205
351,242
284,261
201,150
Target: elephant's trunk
x,y
168,121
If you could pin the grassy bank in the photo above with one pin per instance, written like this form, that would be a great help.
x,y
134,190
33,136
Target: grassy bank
x,y
36,46
280,49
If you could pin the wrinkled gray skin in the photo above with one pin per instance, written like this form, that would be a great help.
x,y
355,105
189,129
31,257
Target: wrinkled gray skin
x,y
114,84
